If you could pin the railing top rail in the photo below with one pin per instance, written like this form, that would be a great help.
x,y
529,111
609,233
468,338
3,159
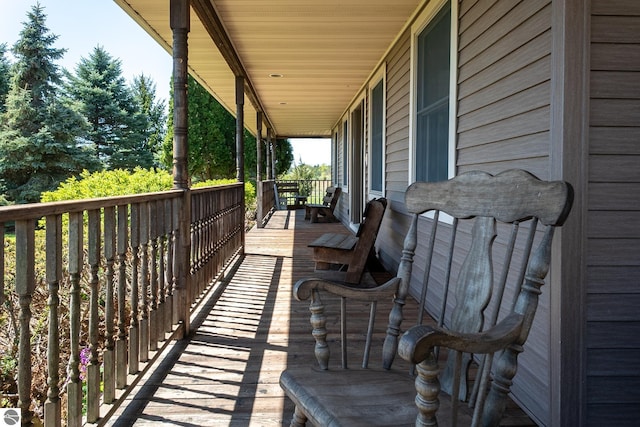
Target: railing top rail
x,y
38,210
220,187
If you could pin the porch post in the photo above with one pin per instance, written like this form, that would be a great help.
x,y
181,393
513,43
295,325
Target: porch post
x,y
258,148
269,176
179,21
240,128
273,157
259,190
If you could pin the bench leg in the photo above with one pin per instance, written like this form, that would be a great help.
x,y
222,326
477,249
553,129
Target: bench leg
x,y
307,212
299,419
314,214
322,265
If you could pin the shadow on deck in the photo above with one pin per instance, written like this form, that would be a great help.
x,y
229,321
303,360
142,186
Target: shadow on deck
x,y
247,331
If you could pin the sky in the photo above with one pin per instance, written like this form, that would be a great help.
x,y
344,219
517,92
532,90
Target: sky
x,y
81,25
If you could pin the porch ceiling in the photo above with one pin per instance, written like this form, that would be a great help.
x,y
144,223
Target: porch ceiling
x,y
324,50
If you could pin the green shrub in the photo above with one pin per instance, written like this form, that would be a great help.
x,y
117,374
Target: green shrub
x,y
121,182
111,183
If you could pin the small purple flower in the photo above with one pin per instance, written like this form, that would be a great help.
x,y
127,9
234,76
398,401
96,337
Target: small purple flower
x,y
85,354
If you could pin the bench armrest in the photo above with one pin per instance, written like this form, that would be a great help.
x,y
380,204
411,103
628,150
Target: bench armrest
x,y
304,287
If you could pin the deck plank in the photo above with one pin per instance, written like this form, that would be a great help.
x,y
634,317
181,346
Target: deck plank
x,y
227,373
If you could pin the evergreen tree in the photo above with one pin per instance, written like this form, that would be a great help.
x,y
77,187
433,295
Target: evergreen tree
x,y
38,146
211,136
284,156
144,94
117,127
212,141
4,77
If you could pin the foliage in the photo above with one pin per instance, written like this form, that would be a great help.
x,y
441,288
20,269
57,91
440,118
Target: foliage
x,y
284,156
211,136
4,76
35,69
117,126
144,94
212,144
118,182
38,133
301,170
121,182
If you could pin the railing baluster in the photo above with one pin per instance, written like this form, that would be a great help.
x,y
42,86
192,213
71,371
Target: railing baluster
x,y
25,285
93,368
134,324
168,273
109,315
153,314
144,282
121,341
74,386
53,407
161,242
175,217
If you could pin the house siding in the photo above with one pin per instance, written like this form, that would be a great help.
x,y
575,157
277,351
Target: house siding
x,y
613,212
503,121
505,85
396,159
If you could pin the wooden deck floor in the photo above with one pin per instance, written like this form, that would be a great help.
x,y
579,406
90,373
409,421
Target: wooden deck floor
x,y
227,374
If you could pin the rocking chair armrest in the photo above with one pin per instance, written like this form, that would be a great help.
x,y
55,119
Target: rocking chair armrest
x,y
417,342
304,287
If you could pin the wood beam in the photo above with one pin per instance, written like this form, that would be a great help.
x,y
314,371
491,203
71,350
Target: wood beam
x,y
213,24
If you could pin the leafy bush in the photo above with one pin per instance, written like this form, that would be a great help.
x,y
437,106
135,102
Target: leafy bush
x,y
118,182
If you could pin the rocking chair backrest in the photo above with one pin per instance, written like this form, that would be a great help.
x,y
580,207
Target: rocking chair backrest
x,y
476,262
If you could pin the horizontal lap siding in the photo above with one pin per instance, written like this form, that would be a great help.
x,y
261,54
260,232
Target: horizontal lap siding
x,y
396,159
504,72
613,235
504,86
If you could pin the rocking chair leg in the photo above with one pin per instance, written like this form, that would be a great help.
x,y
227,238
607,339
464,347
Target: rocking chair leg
x,y
299,419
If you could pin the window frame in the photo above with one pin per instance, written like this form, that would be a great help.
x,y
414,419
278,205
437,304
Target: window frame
x,y
345,154
419,25
378,78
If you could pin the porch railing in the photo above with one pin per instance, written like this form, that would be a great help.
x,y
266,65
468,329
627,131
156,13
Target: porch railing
x,y
266,201
313,189
93,287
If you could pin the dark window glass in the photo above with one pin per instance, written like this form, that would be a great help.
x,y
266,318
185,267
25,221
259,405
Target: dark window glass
x,y
432,106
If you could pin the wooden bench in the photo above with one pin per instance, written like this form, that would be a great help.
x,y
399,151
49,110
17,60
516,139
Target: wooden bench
x,y
350,250
289,191
473,242
315,212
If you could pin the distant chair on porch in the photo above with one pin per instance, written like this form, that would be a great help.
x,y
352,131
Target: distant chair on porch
x,y
324,211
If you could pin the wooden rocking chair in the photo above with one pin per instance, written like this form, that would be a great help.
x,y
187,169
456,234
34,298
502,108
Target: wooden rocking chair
x,y
488,310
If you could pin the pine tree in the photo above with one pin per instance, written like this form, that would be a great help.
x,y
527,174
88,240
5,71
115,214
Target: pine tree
x,y
4,77
38,148
211,136
212,141
117,127
144,94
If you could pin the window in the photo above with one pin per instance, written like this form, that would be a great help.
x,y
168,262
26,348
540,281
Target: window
x,y
334,158
345,154
377,138
432,47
